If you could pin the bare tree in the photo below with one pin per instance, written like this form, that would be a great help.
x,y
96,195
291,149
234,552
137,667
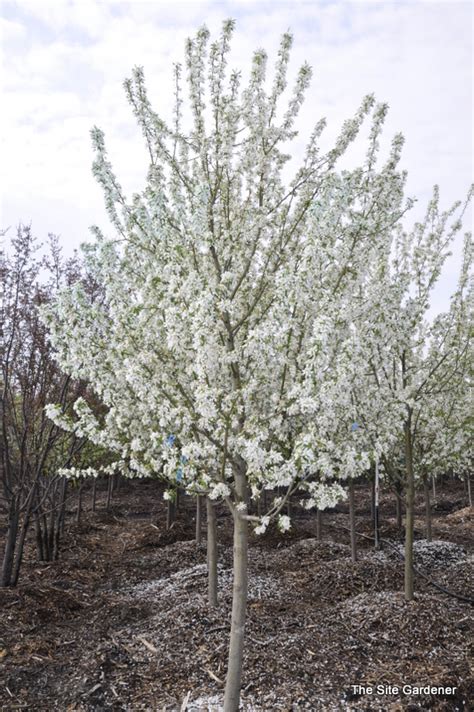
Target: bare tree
x,y
32,448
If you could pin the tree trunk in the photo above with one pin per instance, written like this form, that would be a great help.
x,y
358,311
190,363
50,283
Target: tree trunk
x,y
169,513
398,509
57,536
39,538
469,493
198,519
47,555
319,522
63,504
428,516
94,494
434,489
21,545
211,554
376,506
239,601
52,523
409,517
372,499
79,505
352,521
110,486
59,519
9,552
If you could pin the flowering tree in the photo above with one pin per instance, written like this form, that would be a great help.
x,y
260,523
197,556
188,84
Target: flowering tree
x,y
414,367
443,430
227,294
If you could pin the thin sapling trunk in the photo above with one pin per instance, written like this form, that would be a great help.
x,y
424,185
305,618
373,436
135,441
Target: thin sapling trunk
x,y
319,522
239,602
410,507
428,514
94,494
170,513
352,521
110,488
79,504
198,519
211,554
376,507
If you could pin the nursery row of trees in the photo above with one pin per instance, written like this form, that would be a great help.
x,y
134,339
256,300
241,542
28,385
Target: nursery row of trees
x,y
32,448
249,334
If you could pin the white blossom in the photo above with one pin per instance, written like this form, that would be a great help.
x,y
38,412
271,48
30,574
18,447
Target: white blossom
x,y
284,523
262,527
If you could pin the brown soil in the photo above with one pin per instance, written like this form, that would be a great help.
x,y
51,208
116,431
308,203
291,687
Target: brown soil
x,y
121,621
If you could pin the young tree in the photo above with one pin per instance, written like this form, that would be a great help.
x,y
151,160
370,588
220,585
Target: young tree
x,y
227,293
412,362
443,431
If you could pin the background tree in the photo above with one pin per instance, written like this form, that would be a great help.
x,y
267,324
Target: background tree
x,y
414,365
32,448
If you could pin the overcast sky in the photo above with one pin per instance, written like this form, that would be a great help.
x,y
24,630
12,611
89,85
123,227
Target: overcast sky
x,y
64,61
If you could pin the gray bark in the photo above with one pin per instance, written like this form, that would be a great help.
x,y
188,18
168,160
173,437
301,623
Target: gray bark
x,y
198,519
410,506
110,485
372,499
63,504
170,513
79,504
239,601
319,522
94,494
352,521
398,508
211,554
376,507
428,514
39,538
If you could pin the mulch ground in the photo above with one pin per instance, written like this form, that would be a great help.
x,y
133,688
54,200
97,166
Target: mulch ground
x,y
121,621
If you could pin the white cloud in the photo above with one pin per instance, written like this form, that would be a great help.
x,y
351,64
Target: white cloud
x,y
58,15
10,30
